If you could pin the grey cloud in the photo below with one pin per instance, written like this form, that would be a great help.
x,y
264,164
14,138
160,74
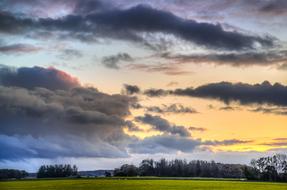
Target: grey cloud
x,y
156,92
160,124
131,89
226,142
25,147
132,127
164,144
168,69
113,61
60,111
67,122
82,122
273,7
128,23
86,119
276,142
85,7
201,129
68,54
12,25
143,18
18,48
50,8
27,77
137,106
173,108
241,59
171,143
229,108
271,110
264,93
163,109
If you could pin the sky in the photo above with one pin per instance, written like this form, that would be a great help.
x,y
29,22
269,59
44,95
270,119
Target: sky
x,y
103,83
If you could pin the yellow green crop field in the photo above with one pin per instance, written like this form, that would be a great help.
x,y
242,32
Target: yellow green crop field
x,y
143,184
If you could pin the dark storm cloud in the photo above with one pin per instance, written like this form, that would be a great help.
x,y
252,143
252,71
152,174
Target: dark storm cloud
x,y
36,77
131,89
264,93
75,123
233,59
18,48
70,108
43,121
146,19
160,124
128,23
113,61
13,25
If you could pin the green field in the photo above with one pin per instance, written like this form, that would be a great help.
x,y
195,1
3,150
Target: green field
x,y
123,184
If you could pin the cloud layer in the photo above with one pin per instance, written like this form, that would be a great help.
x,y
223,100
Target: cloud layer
x,y
56,118
264,93
46,113
239,59
162,125
129,23
30,78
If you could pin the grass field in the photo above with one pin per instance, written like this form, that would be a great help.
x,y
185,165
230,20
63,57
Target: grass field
x,y
122,184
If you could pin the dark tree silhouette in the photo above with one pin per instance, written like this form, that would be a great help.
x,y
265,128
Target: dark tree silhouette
x,y
181,168
12,174
126,170
47,171
271,168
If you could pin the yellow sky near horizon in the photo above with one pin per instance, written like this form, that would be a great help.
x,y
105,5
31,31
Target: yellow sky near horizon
x,y
220,125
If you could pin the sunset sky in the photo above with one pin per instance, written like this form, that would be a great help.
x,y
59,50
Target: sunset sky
x,y
102,83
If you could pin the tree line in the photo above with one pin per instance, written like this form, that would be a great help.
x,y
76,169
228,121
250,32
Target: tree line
x,y
12,174
272,168
48,171
181,168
